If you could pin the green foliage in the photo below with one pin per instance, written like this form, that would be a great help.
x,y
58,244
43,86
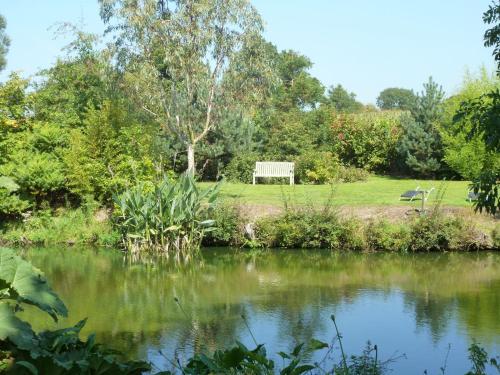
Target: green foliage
x,y
110,152
367,140
74,84
342,101
465,153
167,217
30,152
483,115
241,360
317,168
38,151
228,226
241,167
289,136
13,107
309,228
479,359
352,174
420,143
495,236
384,236
397,98
10,203
417,147
492,35
180,80
298,89
325,168
4,43
23,351
84,225
437,232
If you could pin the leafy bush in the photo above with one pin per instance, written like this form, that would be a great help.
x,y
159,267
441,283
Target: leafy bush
x,y
384,236
34,161
62,226
169,217
23,351
309,228
10,203
110,152
465,153
228,226
325,167
352,174
367,140
436,232
241,167
317,168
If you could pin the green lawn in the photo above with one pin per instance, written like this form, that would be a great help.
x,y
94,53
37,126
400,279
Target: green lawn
x,y
377,191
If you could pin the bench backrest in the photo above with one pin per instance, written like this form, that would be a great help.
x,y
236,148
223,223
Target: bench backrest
x,y
274,169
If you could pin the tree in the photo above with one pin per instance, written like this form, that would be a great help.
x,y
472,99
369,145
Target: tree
x,y
298,89
4,43
492,35
483,115
420,144
417,147
397,98
464,153
177,53
342,100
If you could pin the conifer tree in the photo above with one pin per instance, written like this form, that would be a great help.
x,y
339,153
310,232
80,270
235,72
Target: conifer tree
x,y
420,144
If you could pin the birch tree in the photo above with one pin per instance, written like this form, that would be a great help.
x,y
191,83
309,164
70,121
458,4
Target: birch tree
x,y
177,53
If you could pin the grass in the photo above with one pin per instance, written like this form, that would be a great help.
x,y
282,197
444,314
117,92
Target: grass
x,y
376,191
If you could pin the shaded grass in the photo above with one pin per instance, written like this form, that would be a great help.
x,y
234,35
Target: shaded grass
x,y
376,191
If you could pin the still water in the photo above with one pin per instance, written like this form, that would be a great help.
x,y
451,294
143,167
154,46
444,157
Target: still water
x,y
412,306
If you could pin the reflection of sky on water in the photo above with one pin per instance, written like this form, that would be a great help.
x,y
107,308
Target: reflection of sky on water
x,y
288,298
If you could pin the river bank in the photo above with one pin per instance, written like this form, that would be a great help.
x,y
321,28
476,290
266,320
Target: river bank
x,y
370,228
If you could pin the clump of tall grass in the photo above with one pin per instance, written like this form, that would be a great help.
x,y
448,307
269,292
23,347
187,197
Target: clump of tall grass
x,y
168,218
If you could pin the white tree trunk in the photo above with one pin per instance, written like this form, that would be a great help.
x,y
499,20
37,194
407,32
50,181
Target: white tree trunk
x,y
190,156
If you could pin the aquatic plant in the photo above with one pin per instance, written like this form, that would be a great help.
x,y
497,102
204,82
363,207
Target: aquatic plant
x,y
169,218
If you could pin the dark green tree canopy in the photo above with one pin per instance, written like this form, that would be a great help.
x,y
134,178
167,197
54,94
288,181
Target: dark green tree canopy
x,y
420,145
492,35
483,114
4,42
342,100
298,88
396,98
429,103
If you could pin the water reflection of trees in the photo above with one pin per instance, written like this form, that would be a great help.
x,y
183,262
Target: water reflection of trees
x,y
133,307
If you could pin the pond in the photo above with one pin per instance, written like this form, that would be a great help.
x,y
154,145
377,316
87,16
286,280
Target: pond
x,y
411,306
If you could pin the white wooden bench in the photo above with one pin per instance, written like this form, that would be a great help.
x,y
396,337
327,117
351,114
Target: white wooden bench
x,y
274,169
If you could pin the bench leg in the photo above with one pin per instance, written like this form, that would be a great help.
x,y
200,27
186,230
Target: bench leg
x,y
291,180
253,179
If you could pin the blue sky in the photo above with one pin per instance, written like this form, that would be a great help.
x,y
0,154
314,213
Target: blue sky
x,y
365,45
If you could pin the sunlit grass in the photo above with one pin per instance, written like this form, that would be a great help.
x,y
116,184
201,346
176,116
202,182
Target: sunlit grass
x,y
376,191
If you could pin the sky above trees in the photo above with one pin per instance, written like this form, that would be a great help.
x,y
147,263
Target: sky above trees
x,y
364,45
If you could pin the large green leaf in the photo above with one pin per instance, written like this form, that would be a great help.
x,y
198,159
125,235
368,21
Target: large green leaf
x,y
27,284
14,329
